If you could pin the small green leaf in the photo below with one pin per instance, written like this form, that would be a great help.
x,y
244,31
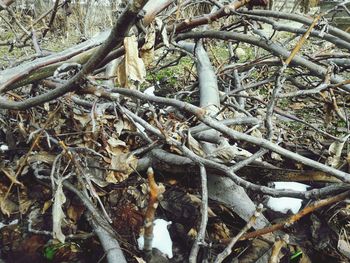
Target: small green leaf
x,y
296,255
50,251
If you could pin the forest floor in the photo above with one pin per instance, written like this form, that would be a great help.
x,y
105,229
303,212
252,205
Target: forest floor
x,y
90,144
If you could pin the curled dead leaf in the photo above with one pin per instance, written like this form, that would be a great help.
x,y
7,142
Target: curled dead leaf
x,y
131,68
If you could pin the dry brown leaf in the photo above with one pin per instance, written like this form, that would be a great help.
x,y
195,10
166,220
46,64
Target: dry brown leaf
x,y
297,106
115,143
192,233
139,260
131,68
257,133
41,157
24,206
46,206
123,165
175,149
344,248
220,231
343,244
84,119
139,195
112,71
121,74
197,201
226,152
276,156
8,207
74,212
119,126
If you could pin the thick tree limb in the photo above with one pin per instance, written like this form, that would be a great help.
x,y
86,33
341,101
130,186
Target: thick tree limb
x,y
44,67
220,188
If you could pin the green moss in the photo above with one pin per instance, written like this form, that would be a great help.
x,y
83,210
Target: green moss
x,y
263,90
221,52
294,125
171,74
249,54
283,103
341,124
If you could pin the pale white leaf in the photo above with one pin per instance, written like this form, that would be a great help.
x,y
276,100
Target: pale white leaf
x,y
57,213
276,156
335,150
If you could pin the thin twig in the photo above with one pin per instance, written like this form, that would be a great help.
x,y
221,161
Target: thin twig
x,y
200,239
277,246
153,202
292,219
228,250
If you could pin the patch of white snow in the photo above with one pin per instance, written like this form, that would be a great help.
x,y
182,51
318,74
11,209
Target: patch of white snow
x,y
149,91
4,148
283,204
161,238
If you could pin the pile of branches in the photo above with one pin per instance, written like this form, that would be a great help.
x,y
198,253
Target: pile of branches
x,y
80,128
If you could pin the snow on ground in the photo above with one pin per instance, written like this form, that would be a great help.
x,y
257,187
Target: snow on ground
x,y
161,238
283,204
149,91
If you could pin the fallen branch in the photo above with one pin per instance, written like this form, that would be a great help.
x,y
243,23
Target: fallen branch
x,y
201,115
170,161
268,45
